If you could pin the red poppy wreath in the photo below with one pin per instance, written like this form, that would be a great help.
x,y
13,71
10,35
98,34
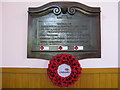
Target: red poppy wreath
x,y
64,70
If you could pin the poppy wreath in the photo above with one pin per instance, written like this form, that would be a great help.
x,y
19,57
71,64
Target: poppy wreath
x,y
69,60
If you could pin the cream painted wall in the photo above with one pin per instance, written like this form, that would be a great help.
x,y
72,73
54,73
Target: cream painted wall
x,y
0,44
14,36
0,34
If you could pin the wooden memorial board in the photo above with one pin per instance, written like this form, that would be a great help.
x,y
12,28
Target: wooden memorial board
x,y
64,27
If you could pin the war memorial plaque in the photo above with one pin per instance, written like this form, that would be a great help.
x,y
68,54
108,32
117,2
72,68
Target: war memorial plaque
x,y
64,27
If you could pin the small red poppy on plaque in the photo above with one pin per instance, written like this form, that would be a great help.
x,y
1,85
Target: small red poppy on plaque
x,y
62,47
44,47
78,47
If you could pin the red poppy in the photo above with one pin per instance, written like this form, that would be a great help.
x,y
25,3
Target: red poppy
x,y
76,47
41,47
60,47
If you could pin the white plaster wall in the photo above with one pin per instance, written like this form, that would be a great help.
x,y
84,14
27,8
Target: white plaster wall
x,y
0,34
14,36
